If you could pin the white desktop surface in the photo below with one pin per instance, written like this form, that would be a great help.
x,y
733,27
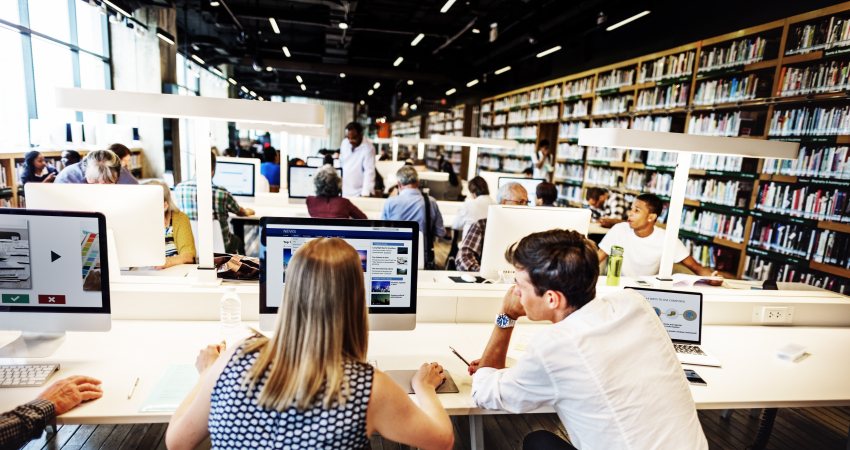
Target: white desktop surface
x,y
751,376
447,209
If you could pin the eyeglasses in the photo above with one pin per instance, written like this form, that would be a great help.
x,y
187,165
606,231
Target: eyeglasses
x,y
517,202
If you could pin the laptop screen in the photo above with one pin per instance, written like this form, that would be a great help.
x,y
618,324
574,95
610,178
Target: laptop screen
x,y
679,311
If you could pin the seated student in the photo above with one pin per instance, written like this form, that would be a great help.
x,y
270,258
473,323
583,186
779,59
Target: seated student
x,y
35,169
475,206
327,202
469,255
309,385
270,168
606,364
297,162
606,207
643,242
186,194
76,173
409,204
546,193
123,153
179,239
100,167
70,157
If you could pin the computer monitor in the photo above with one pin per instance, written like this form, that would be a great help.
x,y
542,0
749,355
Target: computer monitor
x,y
530,185
238,175
300,181
134,216
508,224
387,171
54,277
492,179
387,251
319,161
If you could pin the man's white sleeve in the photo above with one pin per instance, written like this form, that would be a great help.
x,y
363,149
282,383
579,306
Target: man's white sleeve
x,y
522,388
368,173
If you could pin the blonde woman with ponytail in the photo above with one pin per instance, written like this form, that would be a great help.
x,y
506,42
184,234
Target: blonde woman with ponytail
x,y
309,385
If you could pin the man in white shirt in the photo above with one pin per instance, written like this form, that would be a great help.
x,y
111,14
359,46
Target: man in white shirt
x,y
606,365
643,242
357,156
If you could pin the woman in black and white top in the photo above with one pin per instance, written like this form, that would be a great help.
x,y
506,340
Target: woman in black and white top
x,y
309,385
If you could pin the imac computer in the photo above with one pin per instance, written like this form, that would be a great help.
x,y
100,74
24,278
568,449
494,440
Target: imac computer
x,y
319,161
387,171
530,185
508,224
387,251
492,179
134,216
238,175
54,278
301,181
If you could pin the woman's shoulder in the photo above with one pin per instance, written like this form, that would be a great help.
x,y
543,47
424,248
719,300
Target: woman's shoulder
x,y
179,217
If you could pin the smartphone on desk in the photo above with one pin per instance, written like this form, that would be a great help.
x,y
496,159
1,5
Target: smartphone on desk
x,y
694,378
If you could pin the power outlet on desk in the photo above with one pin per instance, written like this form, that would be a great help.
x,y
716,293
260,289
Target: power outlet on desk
x,y
773,314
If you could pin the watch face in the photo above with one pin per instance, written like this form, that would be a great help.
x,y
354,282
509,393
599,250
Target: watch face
x,y
502,320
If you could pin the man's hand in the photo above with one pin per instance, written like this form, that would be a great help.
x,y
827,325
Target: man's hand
x,y
248,212
207,356
511,304
67,394
429,376
49,178
473,366
609,222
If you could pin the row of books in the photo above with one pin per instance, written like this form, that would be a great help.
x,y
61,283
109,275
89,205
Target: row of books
x,y
726,90
670,96
703,161
810,121
519,116
548,113
570,193
500,119
710,223
574,172
514,165
823,246
713,256
716,124
712,190
742,51
569,151
526,132
605,154
654,182
827,33
578,108
551,93
758,267
569,130
652,123
810,202
610,123
666,67
614,104
615,79
603,176
578,87
661,159
826,76
820,162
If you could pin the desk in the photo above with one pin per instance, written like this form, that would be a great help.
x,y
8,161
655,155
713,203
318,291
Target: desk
x,y
751,376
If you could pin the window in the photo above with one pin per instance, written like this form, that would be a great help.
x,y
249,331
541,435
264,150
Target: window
x,y
52,68
9,11
13,108
93,76
89,28
50,17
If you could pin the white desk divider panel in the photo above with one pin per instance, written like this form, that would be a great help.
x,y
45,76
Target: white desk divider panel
x,y
684,145
474,144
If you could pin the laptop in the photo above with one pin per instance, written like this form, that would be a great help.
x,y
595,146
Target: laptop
x,y
681,314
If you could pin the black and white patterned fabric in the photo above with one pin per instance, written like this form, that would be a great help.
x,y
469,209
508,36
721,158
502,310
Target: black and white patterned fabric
x,y
237,422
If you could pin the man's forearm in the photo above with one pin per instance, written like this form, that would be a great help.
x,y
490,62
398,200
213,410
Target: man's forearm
x,y
496,353
25,422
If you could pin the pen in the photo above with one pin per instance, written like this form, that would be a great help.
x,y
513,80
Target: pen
x,y
458,355
133,389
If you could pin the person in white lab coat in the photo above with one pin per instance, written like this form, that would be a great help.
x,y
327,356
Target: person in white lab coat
x,y
357,156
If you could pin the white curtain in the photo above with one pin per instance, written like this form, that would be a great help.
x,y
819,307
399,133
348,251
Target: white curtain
x,y
337,116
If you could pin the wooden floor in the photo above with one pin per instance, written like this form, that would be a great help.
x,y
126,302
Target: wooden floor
x,y
806,428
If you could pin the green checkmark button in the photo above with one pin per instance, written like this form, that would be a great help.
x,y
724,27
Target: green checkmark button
x,y
15,298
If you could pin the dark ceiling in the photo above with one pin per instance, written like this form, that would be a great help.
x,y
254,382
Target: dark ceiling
x,y
451,54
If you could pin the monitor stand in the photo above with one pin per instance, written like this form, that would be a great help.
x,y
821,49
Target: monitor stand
x,y
32,345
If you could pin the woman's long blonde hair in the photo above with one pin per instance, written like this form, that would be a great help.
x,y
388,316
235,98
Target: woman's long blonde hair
x,y
321,323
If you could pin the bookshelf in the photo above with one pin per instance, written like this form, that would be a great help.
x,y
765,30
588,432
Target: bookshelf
x,y
11,162
449,123
788,79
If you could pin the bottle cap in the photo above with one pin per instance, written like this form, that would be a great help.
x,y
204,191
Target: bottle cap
x,y
616,250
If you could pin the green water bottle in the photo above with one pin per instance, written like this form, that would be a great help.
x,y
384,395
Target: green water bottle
x,y
615,266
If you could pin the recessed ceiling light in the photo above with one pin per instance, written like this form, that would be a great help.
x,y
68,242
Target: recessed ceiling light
x,y
198,59
298,77
286,51
214,3
253,94
269,69
362,102
413,107
451,91
503,70
273,21
376,85
370,92
476,30
405,105
398,61
244,89
343,26
410,82
417,39
472,83
549,52
630,19
303,87
448,5
231,81
216,71
342,74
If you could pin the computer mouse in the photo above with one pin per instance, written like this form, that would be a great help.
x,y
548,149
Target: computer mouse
x,y
468,278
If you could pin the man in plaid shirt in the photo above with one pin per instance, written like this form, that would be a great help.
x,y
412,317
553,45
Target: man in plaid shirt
x,y
28,421
186,197
607,208
469,255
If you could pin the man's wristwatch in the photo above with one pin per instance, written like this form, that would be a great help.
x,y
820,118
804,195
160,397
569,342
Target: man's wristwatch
x,y
503,321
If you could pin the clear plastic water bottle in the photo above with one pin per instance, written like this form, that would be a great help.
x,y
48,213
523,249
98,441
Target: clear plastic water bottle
x,y
230,309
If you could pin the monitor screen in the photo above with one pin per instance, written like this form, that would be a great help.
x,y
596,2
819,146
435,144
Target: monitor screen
x,y
301,181
679,311
530,185
319,161
52,261
236,177
387,251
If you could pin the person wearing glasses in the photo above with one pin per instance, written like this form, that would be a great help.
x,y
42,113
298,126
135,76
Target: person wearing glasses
x,y
469,256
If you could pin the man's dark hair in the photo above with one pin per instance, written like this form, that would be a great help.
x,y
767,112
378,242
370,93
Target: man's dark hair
x,y
593,193
558,260
119,149
212,160
653,203
547,192
528,171
544,143
478,186
355,126
269,154
73,156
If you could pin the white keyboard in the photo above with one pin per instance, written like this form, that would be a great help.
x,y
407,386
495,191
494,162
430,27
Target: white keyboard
x,y
26,375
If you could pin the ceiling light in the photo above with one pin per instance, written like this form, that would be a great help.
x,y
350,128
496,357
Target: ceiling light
x,y
630,19
549,52
214,3
112,5
343,26
413,107
410,82
494,31
503,70
253,94
216,71
448,5
298,77
273,21
370,92
244,89
231,81
398,61
261,99
417,39
342,74
303,88
476,31
362,102
405,105
451,91
269,69
165,36
199,60
472,83
286,51
376,85
195,47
